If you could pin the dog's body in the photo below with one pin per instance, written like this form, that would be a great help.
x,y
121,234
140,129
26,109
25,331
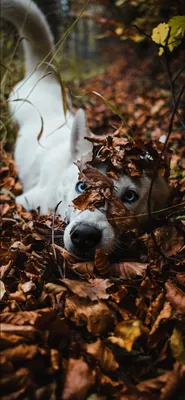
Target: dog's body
x,y
46,166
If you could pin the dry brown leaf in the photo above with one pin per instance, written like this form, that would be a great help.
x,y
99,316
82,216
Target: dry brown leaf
x,y
28,287
86,269
103,355
173,381
156,332
94,289
79,379
23,352
109,386
129,270
126,333
101,261
95,316
2,290
176,297
153,386
16,383
5,269
65,254
54,288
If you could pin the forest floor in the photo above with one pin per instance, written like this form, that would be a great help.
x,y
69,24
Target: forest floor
x,y
102,329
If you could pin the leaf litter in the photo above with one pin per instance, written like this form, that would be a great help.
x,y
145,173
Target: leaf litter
x,y
111,328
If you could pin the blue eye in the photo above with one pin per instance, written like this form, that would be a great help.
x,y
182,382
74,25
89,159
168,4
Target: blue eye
x,y
80,187
130,196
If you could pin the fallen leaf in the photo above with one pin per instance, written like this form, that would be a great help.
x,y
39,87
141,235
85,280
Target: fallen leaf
x,y
129,270
126,333
79,379
176,297
177,346
103,355
2,290
94,289
101,261
156,332
95,316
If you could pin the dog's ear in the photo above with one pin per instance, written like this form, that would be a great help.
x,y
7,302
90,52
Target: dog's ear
x,y
79,145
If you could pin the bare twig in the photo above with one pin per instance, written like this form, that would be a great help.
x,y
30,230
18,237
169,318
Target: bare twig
x,y
155,173
178,73
145,34
53,238
172,87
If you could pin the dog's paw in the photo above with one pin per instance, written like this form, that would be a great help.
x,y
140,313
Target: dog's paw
x,y
34,199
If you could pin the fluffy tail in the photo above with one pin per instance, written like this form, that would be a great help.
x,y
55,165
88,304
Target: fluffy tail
x,y
33,27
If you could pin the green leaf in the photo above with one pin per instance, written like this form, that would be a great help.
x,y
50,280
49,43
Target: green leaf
x,y
177,31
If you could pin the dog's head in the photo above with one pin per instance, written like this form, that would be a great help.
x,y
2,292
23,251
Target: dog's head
x,y
90,229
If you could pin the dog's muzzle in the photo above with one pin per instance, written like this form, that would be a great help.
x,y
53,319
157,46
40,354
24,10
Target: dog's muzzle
x,y
85,238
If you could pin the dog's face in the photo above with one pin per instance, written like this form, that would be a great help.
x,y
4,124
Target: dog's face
x,y
88,230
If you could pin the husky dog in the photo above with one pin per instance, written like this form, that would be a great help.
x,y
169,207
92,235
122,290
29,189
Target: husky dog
x,y
46,167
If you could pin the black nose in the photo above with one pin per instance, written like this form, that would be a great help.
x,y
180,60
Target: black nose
x,y
85,237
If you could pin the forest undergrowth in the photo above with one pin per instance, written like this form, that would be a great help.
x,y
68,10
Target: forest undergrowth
x,y
109,328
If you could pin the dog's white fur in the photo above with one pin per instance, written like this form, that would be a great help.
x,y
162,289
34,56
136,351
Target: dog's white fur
x,y
46,168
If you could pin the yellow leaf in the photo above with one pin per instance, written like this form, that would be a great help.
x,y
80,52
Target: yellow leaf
x,y
177,346
126,333
2,290
161,51
160,35
119,30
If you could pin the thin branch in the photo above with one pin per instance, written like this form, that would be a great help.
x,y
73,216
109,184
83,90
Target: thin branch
x,y
178,73
155,173
162,210
53,238
145,34
172,88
